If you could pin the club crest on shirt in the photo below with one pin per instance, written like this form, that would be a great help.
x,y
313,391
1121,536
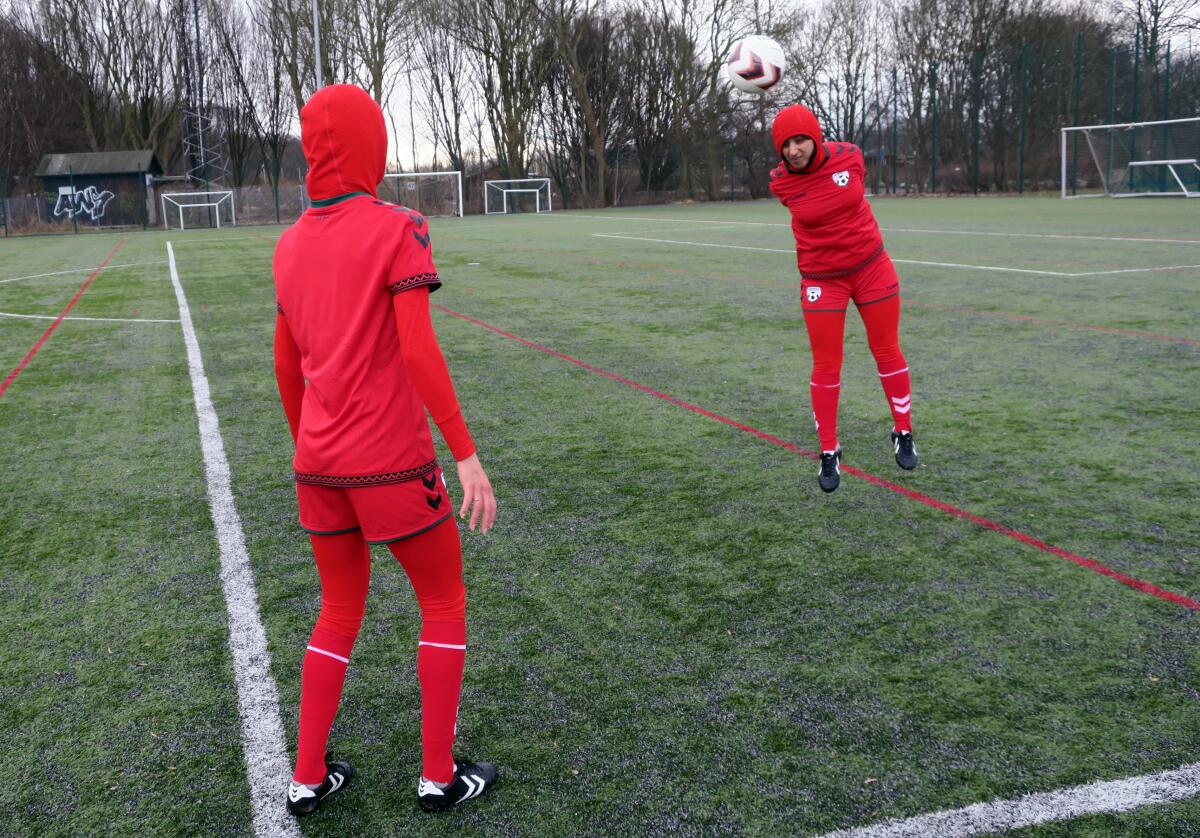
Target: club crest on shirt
x,y
841,178
813,293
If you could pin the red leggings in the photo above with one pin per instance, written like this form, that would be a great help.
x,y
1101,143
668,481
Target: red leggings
x,y
433,562
825,334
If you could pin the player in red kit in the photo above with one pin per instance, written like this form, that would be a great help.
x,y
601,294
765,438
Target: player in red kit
x,y
358,366
841,258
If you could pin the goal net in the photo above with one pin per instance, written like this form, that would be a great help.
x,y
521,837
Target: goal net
x,y
197,209
1137,159
522,195
429,193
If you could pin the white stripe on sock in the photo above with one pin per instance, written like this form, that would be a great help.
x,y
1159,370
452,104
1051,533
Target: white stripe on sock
x,y
890,374
441,645
329,654
826,386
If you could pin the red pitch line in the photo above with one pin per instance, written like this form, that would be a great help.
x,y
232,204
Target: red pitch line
x,y
1024,318
45,335
1082,561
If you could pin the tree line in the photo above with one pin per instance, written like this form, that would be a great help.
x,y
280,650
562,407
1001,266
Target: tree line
x,y
603,97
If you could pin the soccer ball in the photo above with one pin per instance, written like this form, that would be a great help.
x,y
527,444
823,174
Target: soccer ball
x,y
755,64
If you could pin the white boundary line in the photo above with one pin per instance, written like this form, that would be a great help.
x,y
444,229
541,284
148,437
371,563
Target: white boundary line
x,y
97,319
903,230
913,261
267,763
1064,804
82,270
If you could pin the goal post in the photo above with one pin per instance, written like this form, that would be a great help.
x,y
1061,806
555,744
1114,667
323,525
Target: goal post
x,y
1132,160
216,202
429,193
501,197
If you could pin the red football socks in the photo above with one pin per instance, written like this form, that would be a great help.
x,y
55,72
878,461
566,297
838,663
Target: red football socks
x,y
441,655
344,562
433,562
882,320
825,329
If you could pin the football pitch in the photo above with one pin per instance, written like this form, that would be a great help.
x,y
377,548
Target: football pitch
x,y
672,630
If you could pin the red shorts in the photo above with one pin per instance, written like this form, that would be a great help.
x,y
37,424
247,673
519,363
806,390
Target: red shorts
x,y
388,512
877,281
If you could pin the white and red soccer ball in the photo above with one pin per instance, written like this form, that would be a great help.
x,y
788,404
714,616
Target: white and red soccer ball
x,y
755,64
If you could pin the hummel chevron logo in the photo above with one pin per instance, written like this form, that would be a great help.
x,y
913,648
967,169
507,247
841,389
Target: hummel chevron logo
x,y
435,502
474,784
425,787
337,779
421,240
297,792
430,481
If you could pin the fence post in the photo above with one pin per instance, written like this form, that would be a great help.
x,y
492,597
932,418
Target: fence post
x,y
4,199
1078,118
142,183
71,211
275,186
730,160
1112,113
933,131
976,72
1137,62
1166,114
1024,110
895,110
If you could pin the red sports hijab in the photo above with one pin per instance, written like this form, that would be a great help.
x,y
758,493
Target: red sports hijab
x,y
796,120
345,142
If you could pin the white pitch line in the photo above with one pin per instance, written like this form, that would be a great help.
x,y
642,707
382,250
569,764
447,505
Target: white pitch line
x,y
98,319
910,230
1038,235
912,261
267,764
82,270
1033,809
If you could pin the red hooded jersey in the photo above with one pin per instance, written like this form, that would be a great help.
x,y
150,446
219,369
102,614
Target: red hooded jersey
x,y
835,230
336,270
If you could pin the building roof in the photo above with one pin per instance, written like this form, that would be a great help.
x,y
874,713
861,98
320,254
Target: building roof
x,y
99,163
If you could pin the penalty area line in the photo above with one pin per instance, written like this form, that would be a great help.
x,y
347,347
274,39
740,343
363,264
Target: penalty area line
x,y
83,270
995,268
61,316
1032,809
919,497
93,319
267,763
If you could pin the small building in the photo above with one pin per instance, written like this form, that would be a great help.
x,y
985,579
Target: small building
x,y
100,188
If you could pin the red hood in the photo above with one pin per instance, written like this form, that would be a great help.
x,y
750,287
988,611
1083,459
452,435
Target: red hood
x,y
793,120
344,140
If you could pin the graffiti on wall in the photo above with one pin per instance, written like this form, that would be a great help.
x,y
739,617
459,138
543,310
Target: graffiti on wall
x,y
75,202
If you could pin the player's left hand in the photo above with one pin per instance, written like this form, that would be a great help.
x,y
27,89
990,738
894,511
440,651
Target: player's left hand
x,y
477,494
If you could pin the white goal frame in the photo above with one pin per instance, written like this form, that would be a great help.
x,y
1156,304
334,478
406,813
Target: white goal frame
x,y
490,186
1187,163
457,176
223,195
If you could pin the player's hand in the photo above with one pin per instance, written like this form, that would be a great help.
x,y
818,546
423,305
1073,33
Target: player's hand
x,y
477,494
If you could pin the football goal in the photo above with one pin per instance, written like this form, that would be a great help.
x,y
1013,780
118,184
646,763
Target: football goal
x,y
1132,160
429,193
531,194
199,209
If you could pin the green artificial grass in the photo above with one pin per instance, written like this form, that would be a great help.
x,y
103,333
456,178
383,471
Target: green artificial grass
x,y
671,628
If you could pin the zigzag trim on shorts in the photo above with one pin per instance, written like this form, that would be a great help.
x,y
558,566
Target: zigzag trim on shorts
x,y
843,271
350,481
415,281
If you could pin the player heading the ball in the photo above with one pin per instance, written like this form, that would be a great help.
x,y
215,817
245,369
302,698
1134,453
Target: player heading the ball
x,y
841,257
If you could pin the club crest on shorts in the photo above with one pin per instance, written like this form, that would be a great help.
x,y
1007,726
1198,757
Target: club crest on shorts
x,y
812,293
841,178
